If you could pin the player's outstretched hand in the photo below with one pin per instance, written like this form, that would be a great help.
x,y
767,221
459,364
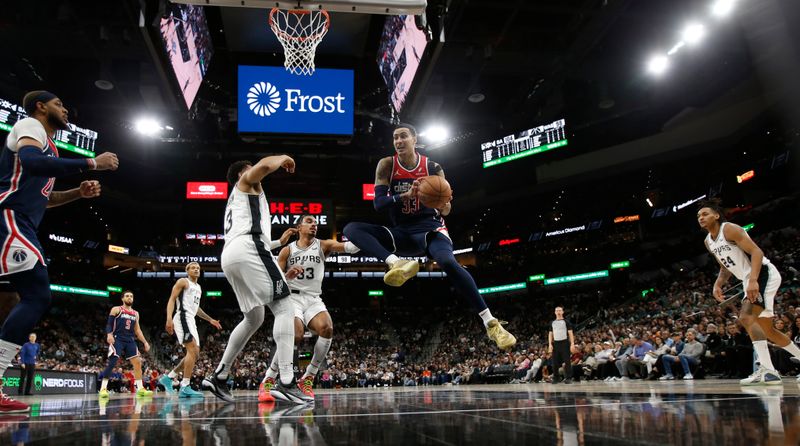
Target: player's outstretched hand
x,y
170,327
90,189
287,234
293,272
215,323
106,161
288,164
718,294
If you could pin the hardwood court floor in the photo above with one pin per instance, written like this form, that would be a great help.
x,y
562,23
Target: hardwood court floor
x,y
713,412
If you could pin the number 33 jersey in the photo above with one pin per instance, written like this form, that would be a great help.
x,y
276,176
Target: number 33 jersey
x,y
731,256
312,260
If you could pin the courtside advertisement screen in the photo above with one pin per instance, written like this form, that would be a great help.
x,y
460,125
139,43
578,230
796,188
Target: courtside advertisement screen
x,y
200,190
184,33
401,48
272,100
528,142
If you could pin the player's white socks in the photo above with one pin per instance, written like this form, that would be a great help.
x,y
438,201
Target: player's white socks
x,y
8,351
272,370
486,316
239,337
184,382
172,374
104,385
139,384
283,332
321,348
762,354
391,259
792,349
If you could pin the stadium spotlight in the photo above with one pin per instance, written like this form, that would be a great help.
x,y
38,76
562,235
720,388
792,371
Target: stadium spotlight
x,y
147,126
693,33
649,203
722,8
435,133
658,65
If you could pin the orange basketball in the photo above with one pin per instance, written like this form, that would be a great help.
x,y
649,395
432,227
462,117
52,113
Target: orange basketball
x,y
434,191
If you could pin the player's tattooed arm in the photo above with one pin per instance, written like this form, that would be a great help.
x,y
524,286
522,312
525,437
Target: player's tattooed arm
x,y
383,173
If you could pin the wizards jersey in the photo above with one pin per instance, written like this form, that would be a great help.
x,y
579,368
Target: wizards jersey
x,y
413,210
124,323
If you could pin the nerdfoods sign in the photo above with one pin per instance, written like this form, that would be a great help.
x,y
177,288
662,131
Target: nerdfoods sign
x,y
272,100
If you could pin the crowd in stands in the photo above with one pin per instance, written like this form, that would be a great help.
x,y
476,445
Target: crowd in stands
x,y
673,330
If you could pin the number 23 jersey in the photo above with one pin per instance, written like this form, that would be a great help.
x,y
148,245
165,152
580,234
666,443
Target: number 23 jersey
x,y
732,257
312,260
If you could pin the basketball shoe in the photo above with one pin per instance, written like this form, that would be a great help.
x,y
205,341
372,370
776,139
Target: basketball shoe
x,y
264,395
306,385
10,405
400,272
218,387
290,392
103,393
144,392
498,334
762,377
166,381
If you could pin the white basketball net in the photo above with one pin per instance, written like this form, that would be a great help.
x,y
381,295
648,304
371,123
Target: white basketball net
x,y
299,31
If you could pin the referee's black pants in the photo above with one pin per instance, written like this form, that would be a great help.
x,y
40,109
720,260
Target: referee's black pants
x,y
561,357
26,378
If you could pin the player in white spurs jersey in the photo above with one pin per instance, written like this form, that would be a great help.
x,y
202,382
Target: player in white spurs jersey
x,y
739,256
305,261
186,294
254,275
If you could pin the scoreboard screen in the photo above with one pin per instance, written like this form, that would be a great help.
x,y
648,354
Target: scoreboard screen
x,y
528,142
77,140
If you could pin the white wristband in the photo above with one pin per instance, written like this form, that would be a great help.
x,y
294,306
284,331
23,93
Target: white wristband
x,y
275,244
92,164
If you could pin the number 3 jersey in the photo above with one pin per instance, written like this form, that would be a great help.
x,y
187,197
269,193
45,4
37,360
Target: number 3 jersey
x,y
312,260
731,256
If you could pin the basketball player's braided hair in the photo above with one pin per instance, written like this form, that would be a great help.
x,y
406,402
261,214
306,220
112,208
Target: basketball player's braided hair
x,y
715,204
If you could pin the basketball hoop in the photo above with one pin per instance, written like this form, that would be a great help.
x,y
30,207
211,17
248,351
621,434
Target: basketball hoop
x,y
299,31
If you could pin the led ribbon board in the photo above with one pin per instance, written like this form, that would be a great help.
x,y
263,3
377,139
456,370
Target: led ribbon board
x,y
576,277
75,139
526,143
501,288
77,290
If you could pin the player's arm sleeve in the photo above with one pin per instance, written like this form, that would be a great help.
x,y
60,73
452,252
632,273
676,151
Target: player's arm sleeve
x,y
37,163
110,324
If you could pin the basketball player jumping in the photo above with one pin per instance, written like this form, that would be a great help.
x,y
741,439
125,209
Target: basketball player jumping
x,y
417,229
306,257
29,165
739,256
122,326
186,293
254,275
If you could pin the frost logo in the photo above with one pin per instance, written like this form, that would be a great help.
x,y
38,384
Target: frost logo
x,y
263,99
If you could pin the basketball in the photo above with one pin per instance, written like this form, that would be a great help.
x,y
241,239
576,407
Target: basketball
x,y
434,191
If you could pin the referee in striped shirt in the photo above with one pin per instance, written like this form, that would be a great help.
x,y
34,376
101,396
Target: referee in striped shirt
x,y
562,341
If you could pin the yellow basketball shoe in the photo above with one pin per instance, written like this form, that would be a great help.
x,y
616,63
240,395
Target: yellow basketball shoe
x,y
144,392
498,334
103,393
400,271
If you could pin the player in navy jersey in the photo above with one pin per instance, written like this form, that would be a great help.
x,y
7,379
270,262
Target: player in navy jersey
x,y
416,229
29,165
122,330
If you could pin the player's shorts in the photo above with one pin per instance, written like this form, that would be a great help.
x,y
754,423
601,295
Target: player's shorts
x,y
411,239
306,306
123,348
252,272
21,250
185,331
769,280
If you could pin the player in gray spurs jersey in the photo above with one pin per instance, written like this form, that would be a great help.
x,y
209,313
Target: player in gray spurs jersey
x,y
305,261
738,255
